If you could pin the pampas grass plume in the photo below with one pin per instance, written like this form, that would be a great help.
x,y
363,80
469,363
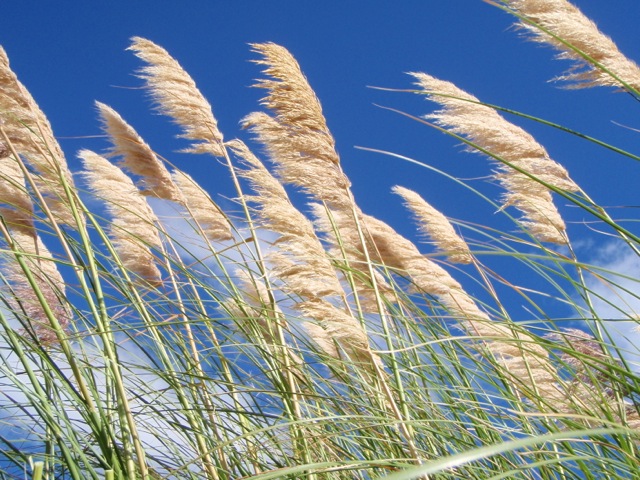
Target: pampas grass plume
x,y
177,96
435,226
462,114
136,156
30,133
133,225
567,22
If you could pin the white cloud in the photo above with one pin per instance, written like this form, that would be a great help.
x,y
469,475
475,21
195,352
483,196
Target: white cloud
x,y
154,403
615,295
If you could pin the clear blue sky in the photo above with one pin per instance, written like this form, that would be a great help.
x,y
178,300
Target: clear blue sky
x,y
71,53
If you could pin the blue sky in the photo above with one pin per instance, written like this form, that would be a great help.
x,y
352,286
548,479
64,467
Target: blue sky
x,y
70,54
73,53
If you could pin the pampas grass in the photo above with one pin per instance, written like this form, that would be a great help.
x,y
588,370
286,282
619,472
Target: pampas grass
x,y
293,340
596,58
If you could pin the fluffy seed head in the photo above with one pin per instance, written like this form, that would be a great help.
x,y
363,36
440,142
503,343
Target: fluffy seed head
x,y
297,138
483,126
30,134
136,156
297,256
435,225
177,96
568,23
15,203
292,99
133,225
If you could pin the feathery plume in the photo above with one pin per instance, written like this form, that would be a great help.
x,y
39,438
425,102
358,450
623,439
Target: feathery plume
x,y
30,133
299,142
300,261
17,208
177,96
294,102
435,226
482,125
202,208
296,165
297,255
297,138
47,279
137,157
567,22
133,226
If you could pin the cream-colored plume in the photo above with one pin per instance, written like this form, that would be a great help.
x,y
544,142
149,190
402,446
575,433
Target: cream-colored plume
x,y
16,207
177,96
297,137
30,134
299,260
133,225
202,208
293,101
571,27
298,140
296,165
48,281
297,255
137,157
435,226
482,125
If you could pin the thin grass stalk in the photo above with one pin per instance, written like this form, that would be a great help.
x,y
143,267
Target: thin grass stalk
x,y
152,327
292,394
293,408
70,257
103,324
202,446
226,370
204,452
44,408
386,396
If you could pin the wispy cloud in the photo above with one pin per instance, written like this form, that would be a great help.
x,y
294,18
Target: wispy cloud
x,y
615,296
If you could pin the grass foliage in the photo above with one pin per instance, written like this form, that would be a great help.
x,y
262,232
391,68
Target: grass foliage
x,y
146,333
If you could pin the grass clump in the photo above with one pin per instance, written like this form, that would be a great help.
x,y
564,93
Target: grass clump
x,y
149,333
